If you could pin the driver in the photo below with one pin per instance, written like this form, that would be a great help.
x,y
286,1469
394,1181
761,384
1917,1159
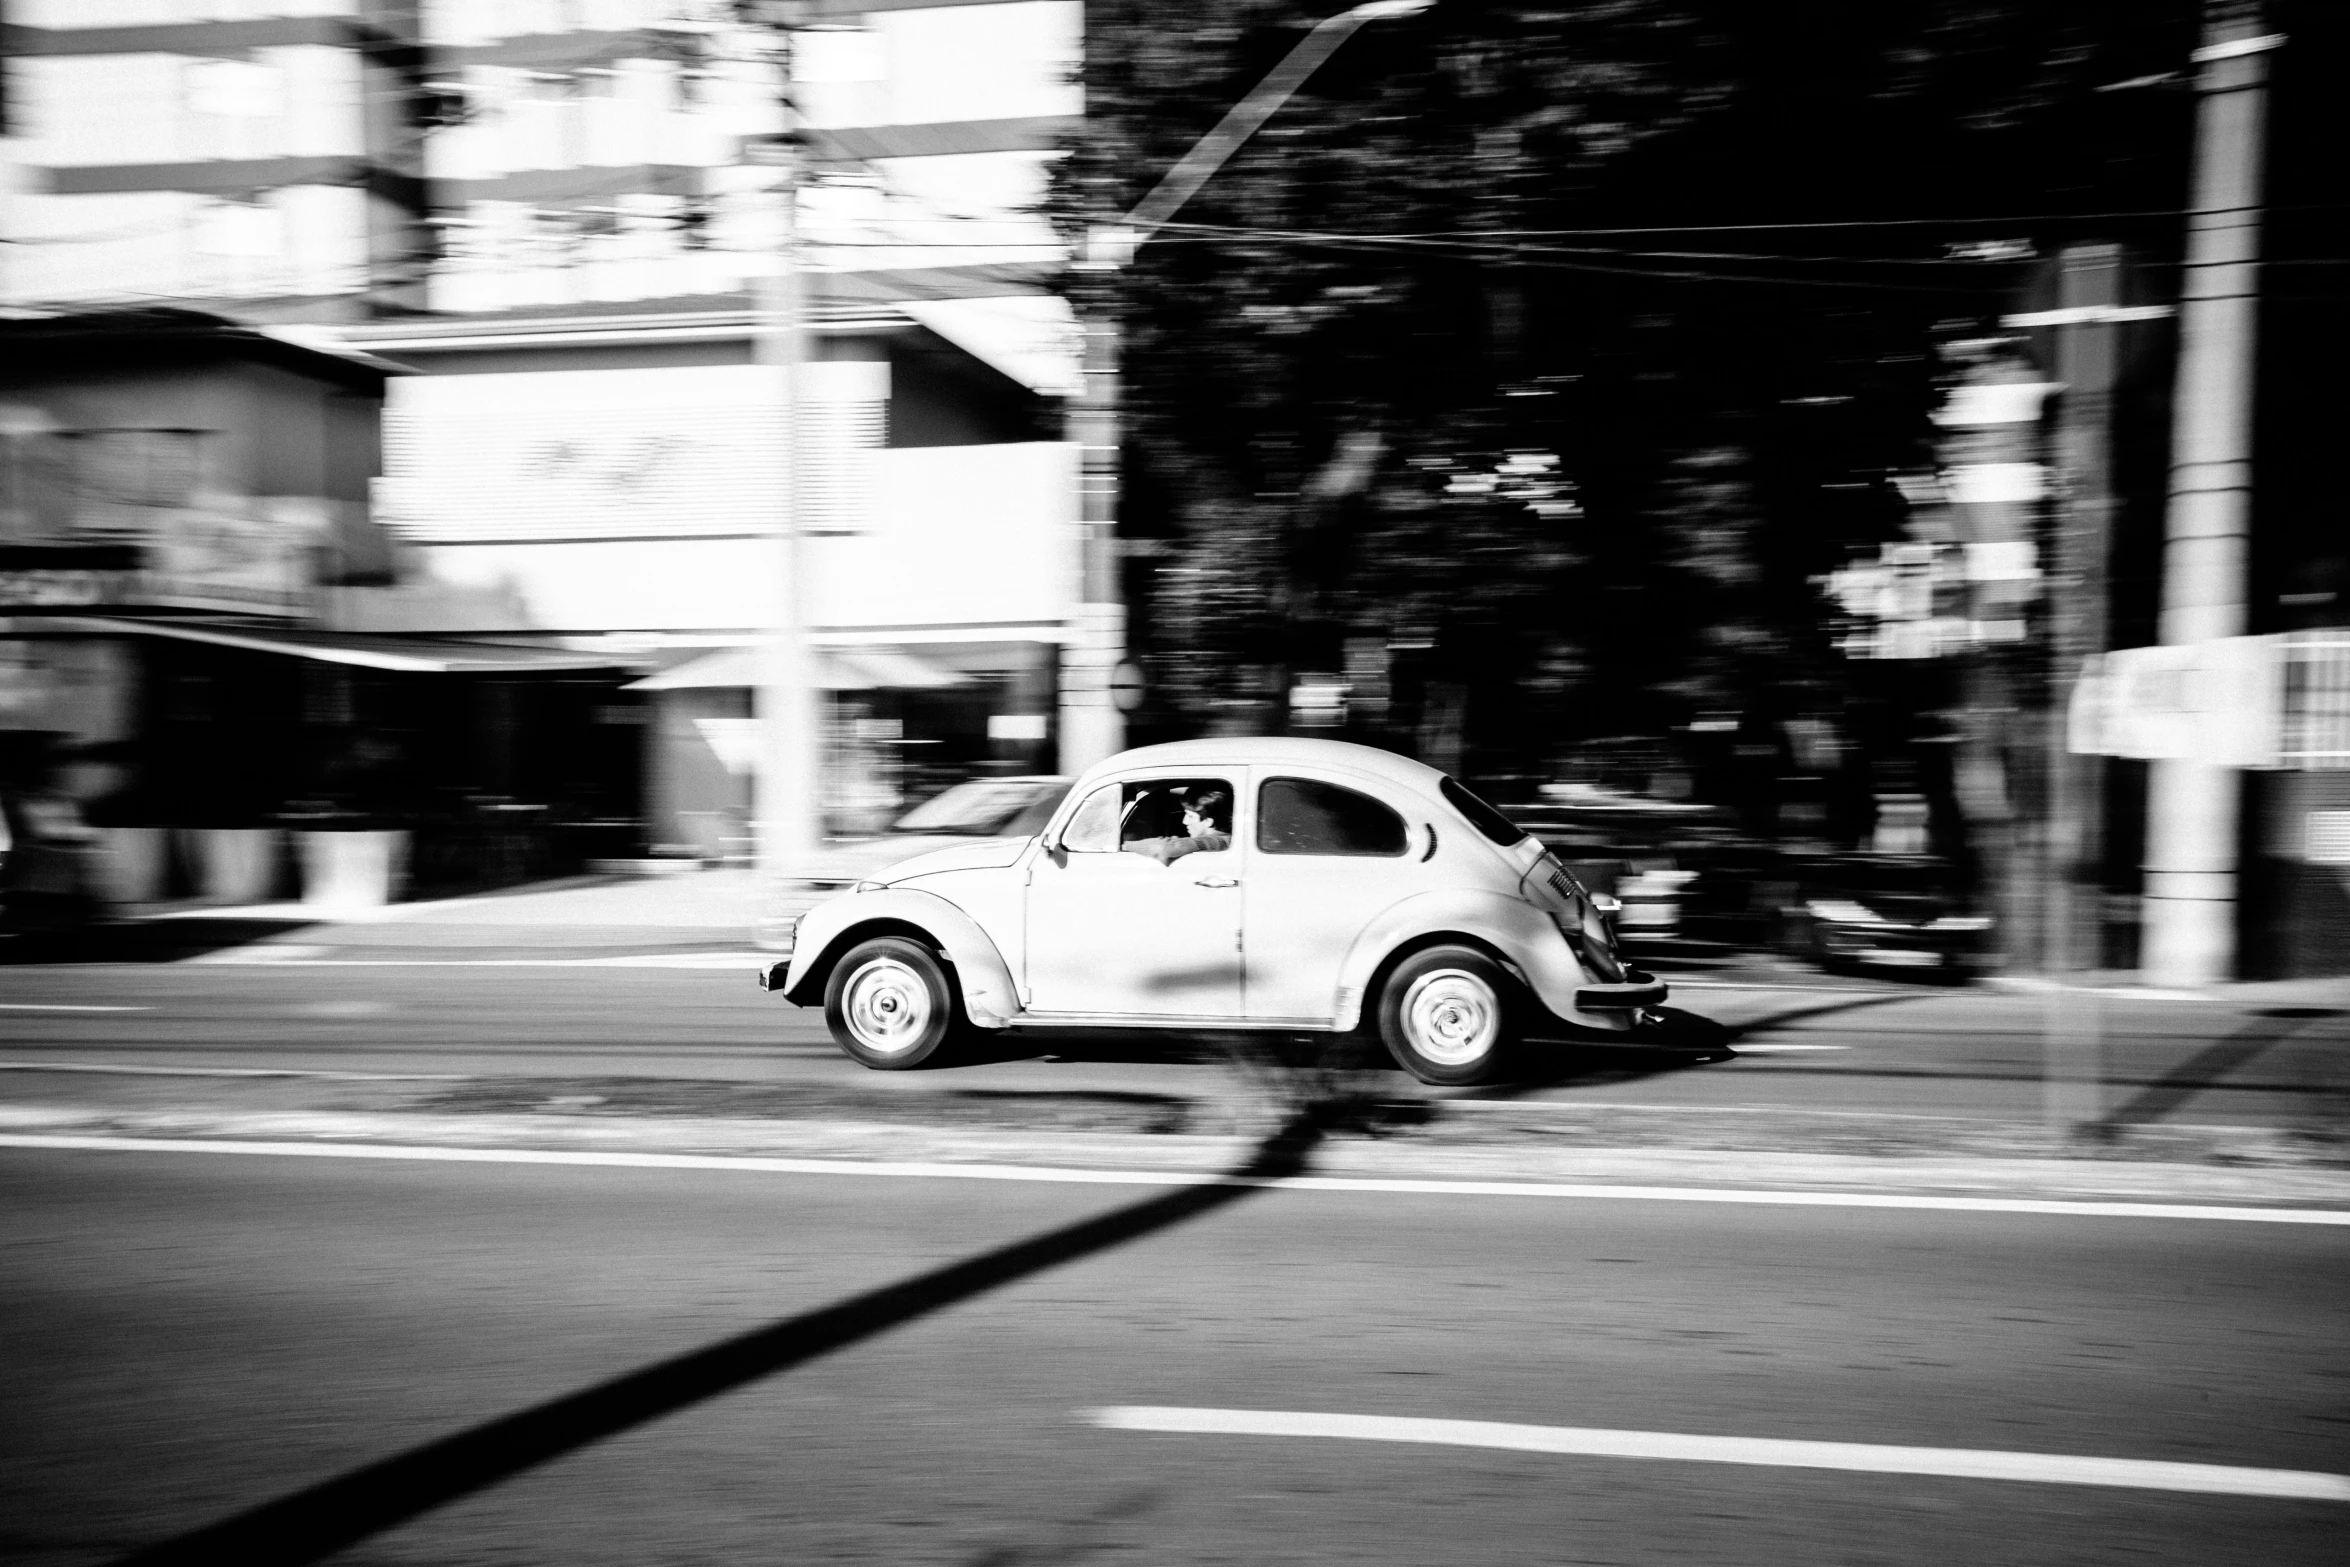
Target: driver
x,y
1207,814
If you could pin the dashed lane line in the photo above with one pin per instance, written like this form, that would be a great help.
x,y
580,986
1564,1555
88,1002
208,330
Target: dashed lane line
x,y
1961,1463
755,1164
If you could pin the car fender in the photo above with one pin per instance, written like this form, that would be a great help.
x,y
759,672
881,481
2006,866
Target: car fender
x,y
1521,933
836,924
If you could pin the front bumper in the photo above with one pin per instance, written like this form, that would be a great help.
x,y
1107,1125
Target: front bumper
x,y
1634,991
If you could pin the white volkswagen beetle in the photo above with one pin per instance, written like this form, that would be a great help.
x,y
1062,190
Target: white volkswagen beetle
x,y
1277,884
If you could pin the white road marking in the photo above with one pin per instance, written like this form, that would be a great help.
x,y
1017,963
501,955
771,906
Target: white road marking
x,y
744,962
1528,1102
48,1006
754,1164
1813,990
247,957
1962,1463
1782,1050
232,1071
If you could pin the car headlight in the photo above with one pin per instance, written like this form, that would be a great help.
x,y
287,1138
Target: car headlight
x,y
1838,911
1961,922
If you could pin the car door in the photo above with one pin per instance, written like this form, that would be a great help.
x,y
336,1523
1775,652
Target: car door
x,y
1327,858
1122,921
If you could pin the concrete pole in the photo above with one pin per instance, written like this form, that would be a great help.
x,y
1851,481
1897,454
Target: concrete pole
x,y
786,806
2192,806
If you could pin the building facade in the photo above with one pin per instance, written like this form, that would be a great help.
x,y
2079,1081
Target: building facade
x,y
559,216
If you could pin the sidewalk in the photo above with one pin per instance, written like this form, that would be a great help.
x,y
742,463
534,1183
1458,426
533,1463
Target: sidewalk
x,y
2332,991
702,911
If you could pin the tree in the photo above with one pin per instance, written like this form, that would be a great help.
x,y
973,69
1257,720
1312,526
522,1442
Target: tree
x,y
1445,358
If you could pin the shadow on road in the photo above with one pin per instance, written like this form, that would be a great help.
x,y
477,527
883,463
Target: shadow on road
x,y
2208,1066
327,1517
139,941
1701,1042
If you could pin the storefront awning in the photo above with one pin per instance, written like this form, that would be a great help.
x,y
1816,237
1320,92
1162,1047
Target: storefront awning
x,y
400,655
837,669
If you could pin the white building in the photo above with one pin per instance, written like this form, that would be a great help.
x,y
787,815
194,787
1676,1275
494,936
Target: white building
x,y
546,208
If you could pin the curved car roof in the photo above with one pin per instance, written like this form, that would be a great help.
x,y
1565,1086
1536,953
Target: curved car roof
x,y
1273,750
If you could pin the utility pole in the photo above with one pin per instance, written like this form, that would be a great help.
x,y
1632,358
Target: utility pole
x,y
2089,286
1092,726
786,806
2192,806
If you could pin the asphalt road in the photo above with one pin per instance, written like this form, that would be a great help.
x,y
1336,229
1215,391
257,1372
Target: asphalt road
x,y
193,1335
1807,1042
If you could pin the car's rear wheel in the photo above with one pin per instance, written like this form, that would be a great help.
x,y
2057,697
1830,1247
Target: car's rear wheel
x,y
891,1004
1449,1016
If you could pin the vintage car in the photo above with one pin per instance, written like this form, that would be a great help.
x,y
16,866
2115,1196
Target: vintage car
x,y
1862,912
1279,884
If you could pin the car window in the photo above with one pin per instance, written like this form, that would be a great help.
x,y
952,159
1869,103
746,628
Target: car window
x,y
1094,829
1305,816
1165,819
1483,817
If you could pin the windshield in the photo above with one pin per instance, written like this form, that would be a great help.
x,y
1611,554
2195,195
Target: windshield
x,y
981,808
1483,817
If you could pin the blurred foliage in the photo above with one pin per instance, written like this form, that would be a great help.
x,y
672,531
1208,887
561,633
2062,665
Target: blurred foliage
x,y
1321,428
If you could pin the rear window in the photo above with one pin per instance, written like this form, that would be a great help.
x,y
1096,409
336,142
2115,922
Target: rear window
x,y
1303,816
1483,817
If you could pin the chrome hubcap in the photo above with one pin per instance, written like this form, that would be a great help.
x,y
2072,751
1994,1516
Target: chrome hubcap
x,y
1452,1017
887,1007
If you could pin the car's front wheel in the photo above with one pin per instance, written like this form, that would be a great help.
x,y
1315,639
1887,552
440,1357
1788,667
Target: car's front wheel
x,y
891,1004
1447,1015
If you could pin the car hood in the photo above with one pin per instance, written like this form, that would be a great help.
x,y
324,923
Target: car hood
x,y
986,854
873,858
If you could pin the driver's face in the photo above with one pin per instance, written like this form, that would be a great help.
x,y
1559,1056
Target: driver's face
x,y
1193,822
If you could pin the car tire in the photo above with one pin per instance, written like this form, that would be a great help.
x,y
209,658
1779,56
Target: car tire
x,y
891,1005
1449,1016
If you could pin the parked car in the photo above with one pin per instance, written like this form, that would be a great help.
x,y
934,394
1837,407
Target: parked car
x,y
978,810
1280,884
1632,846
1887,911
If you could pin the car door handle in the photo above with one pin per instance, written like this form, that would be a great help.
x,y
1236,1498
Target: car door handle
x,y
1217,881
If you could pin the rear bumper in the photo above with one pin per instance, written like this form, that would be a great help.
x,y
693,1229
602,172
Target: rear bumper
x,y
1636,990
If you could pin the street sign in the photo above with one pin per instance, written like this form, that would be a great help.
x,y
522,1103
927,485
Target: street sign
x,y
2220,701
